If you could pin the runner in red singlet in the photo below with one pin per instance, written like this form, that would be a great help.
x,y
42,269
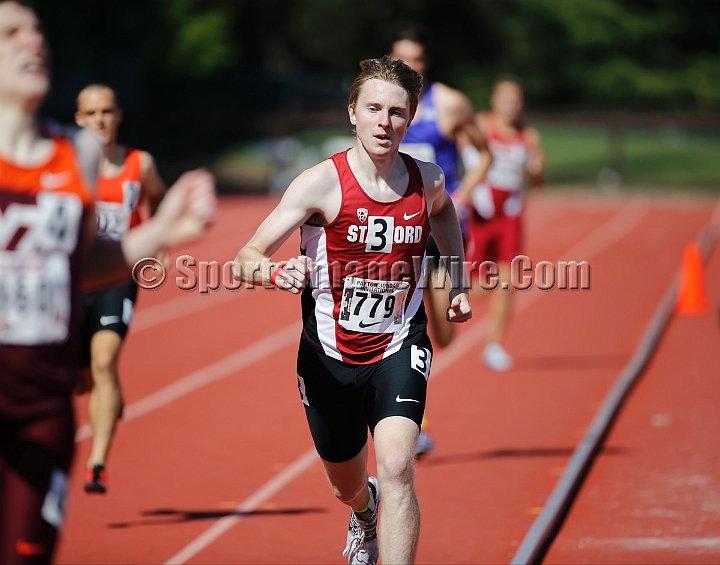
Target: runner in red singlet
x,y
48,251
128,185
497,203
364,356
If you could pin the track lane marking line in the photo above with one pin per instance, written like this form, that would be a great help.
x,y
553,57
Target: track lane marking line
x,y
249,505
206,375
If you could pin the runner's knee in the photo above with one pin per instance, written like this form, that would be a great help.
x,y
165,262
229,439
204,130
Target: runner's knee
x,y
397,468
104,364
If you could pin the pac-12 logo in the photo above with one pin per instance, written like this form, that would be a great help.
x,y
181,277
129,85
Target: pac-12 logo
x,y
362,214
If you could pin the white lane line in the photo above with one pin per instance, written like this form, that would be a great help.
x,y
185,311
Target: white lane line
x,y
609,233
182,306
613,230
211,373
654,543
256,499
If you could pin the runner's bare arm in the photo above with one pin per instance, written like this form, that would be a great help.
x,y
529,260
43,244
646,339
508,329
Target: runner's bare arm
x,y
536,158
446,232
465,126
314,192
153,187
183,215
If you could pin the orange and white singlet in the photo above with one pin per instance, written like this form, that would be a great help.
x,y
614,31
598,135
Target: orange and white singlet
x,y
119,198
42,215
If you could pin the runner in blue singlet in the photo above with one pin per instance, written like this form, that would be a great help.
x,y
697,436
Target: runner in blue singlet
x,y
444,114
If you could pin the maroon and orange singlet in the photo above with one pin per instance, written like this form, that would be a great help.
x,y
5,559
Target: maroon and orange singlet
x,y
43,211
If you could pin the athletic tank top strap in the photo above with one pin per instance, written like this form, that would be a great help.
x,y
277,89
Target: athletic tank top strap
x,y
493,131
351,188
133,164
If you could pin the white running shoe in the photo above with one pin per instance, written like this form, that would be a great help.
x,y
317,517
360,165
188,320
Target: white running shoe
x,y
362,544
425,444
496,358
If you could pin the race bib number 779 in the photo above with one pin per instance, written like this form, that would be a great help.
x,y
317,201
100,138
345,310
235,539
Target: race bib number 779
x,y
371,306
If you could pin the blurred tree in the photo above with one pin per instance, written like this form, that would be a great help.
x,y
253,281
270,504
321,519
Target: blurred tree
x,y
214,66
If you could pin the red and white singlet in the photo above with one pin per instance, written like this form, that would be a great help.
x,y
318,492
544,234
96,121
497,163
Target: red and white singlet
x,y
42,215
118,200
363,302
501,194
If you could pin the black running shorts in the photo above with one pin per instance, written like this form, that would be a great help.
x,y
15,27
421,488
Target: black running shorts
x,y
110,309
342,400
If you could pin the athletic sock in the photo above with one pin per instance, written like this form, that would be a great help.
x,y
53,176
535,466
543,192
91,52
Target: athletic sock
x,y
367,512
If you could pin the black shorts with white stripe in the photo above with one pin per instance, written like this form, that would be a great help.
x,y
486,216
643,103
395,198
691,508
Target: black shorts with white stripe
x,y
110,309
342,401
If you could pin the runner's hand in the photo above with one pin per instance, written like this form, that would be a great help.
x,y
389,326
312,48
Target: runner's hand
x,y
188,207
459,310
294,274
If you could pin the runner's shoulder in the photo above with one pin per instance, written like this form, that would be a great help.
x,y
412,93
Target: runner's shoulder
x,y
316,182
432,175
450,97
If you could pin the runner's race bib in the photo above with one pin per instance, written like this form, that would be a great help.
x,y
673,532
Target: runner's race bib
x,y
113,219
35,300
371,306
508,167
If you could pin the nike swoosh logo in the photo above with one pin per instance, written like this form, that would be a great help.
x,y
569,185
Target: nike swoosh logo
x,y
107,320
411,216
364,325
50,181
398,399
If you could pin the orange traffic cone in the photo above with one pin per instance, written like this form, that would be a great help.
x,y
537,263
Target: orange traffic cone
x,y
691,299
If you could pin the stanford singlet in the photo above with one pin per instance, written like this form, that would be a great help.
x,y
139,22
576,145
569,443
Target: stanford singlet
x,y
42,215
363,302
118,198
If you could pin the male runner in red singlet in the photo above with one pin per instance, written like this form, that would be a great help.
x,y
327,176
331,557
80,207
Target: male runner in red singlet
x,y
444,116
128,181
364,357
48,251
497,203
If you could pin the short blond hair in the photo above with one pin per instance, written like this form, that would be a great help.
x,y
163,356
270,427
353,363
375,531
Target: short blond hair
x,y
389,70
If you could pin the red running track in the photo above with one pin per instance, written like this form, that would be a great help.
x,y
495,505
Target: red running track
x,y
213,462
659,500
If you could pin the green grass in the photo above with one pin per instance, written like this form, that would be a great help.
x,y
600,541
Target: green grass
x,y
576,155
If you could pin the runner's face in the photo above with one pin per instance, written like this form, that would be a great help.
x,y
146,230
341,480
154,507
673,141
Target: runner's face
x,y
411,53
98,111
23,54
507,100
381,116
